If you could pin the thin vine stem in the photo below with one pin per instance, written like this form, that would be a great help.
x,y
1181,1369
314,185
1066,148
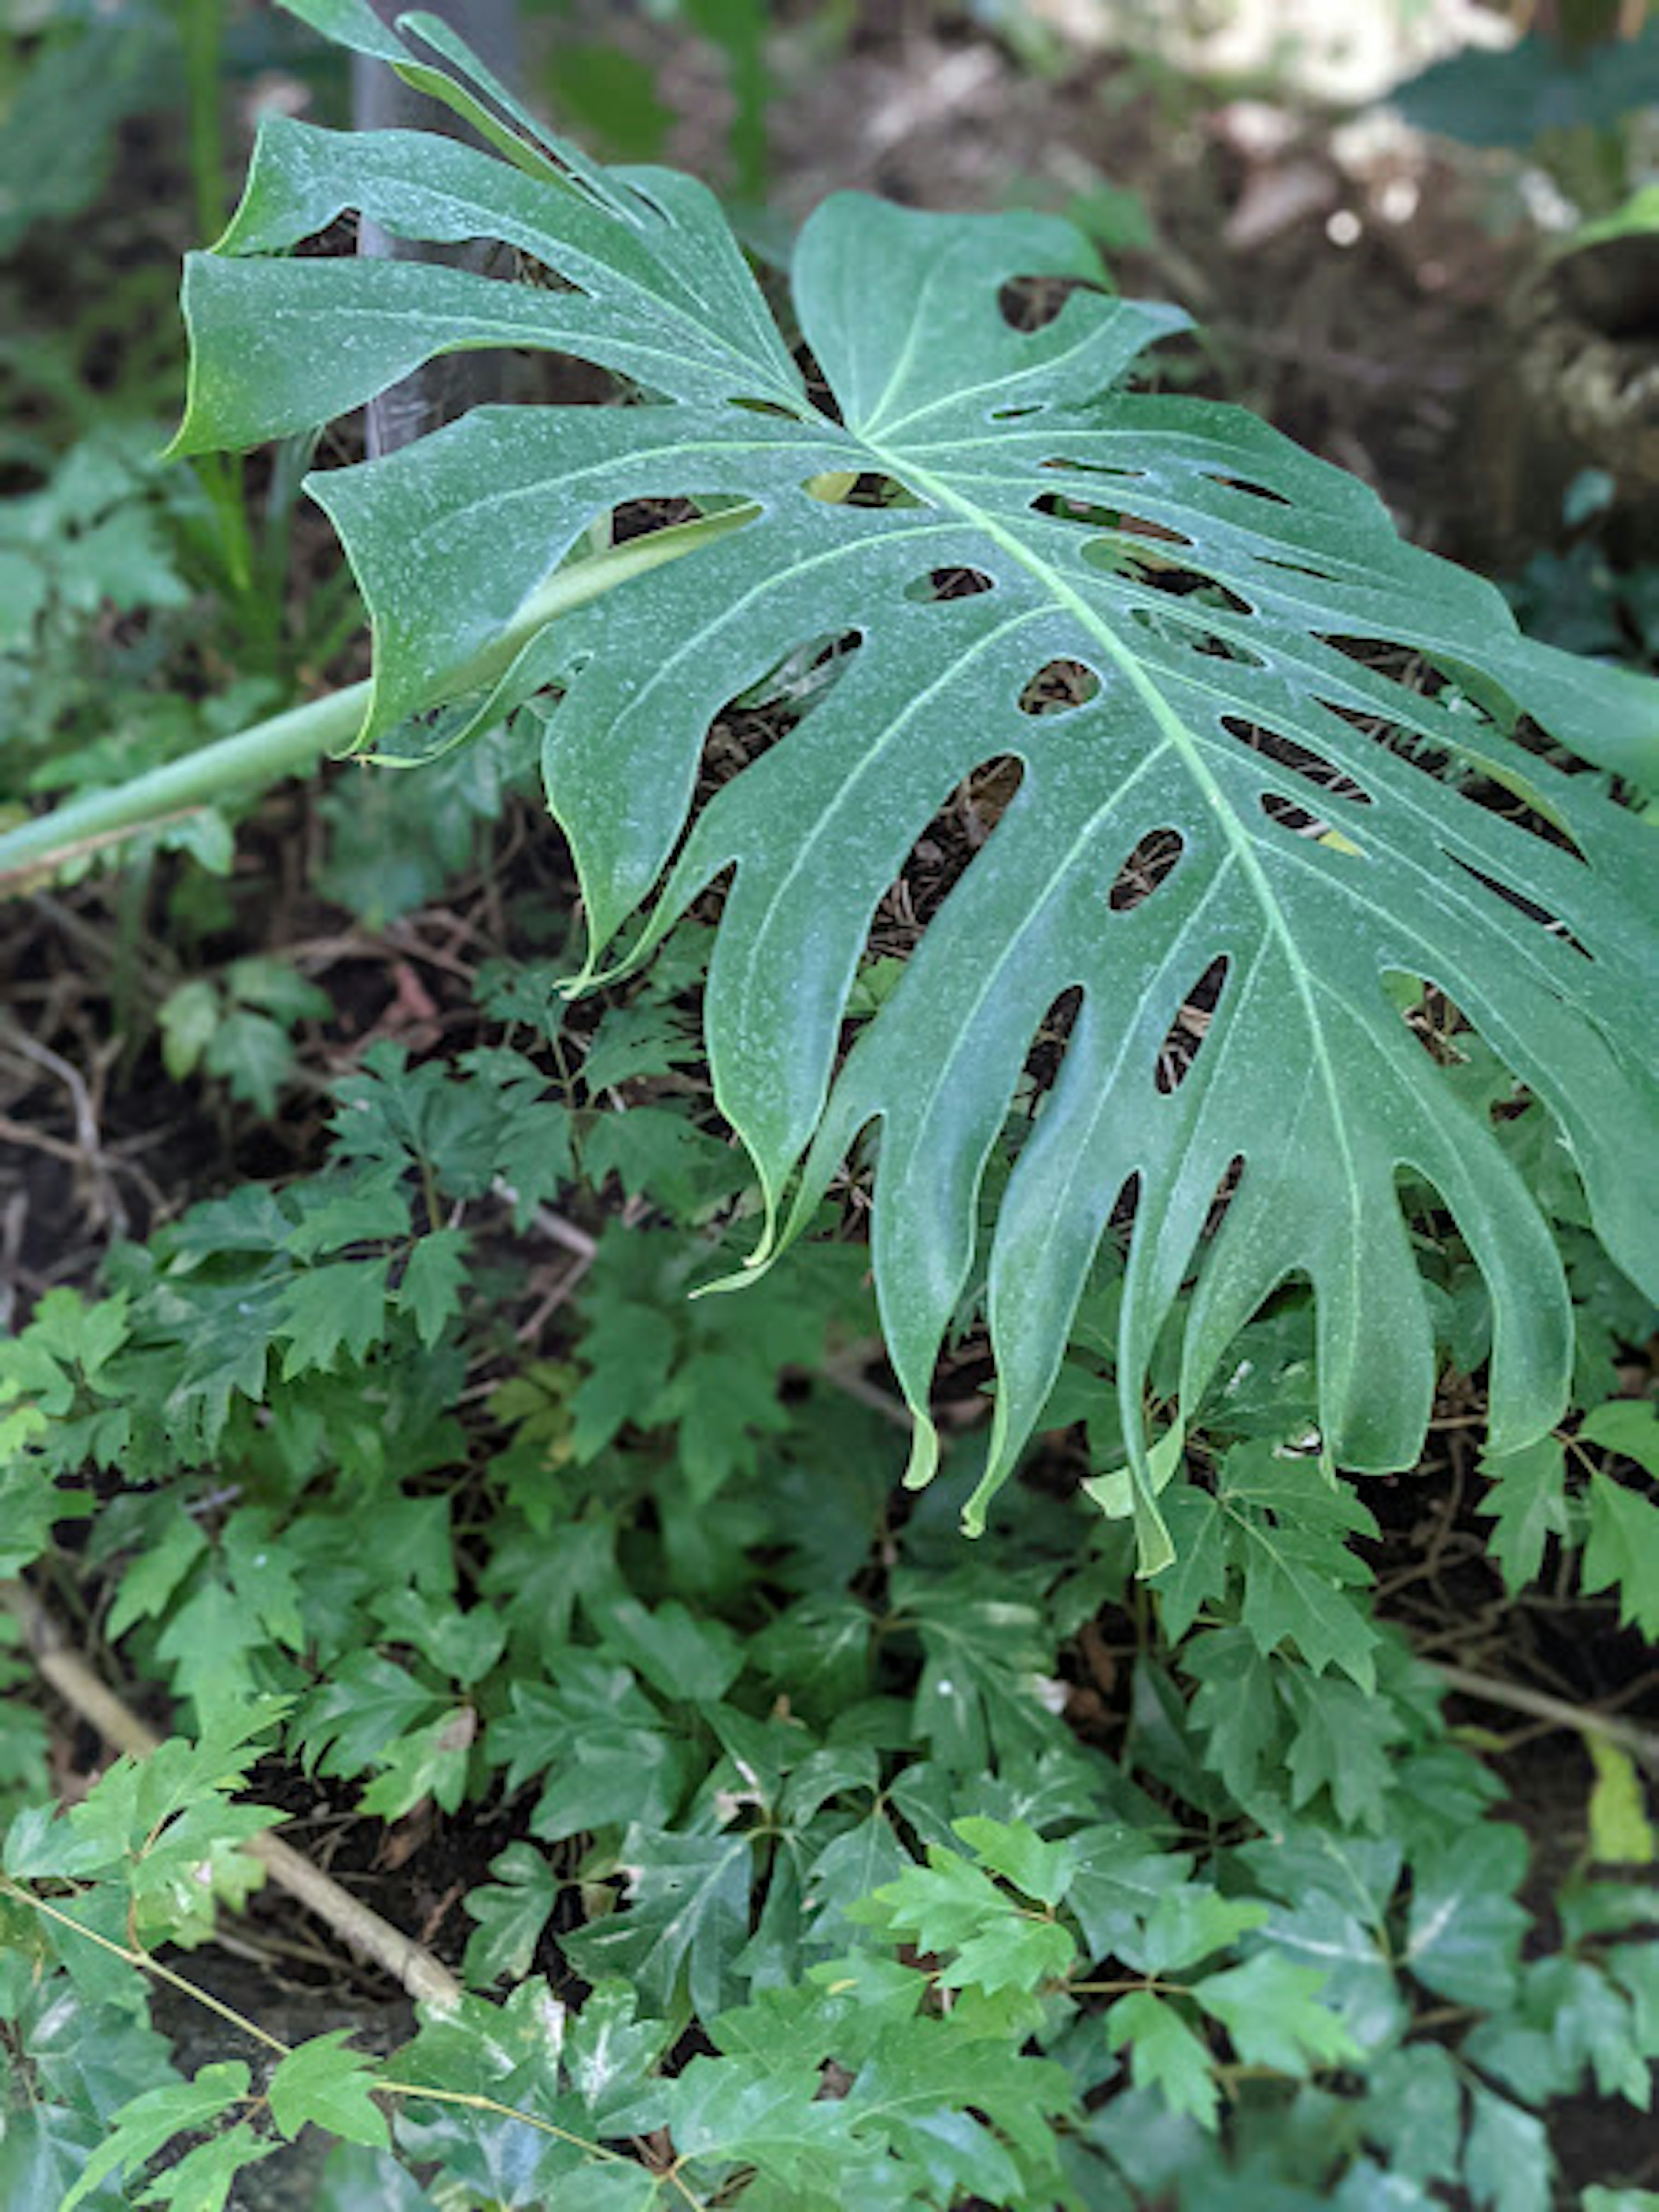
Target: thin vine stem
x,y
136,1956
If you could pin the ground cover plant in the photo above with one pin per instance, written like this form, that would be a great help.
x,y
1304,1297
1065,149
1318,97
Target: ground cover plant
x,y
1252,1070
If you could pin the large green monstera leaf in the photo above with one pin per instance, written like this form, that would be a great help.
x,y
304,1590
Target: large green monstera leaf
x,y
1207,608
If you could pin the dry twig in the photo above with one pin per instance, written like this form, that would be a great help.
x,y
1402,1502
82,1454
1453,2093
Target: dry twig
x,y
357,1925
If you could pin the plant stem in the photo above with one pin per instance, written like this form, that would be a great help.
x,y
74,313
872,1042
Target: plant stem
x,y
1583,1720
296,740
205,41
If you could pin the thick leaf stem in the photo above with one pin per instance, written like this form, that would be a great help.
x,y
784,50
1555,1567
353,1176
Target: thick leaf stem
x,y
294,742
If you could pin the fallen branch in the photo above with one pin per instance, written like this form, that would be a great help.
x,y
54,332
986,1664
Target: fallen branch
x,y
1583,1720
356,1924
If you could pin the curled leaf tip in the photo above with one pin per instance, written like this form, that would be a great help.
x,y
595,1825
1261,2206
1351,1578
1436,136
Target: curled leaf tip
x,y
923,1464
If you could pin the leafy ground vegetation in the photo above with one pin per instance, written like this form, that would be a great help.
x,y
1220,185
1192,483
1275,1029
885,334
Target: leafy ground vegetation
x,y
1133,971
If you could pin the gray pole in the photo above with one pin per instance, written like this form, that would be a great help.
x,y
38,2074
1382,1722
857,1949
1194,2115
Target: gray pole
x,y
381,102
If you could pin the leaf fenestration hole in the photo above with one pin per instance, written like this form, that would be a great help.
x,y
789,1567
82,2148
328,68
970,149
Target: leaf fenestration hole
x,y
512,264
1331,782
1152,862
949,584
943,852
763,716
1433,1019
641,518
1048,1051
1184,1039
1153,570
1173,630
867,488
1105,468
1522,904
1441,758
1225,1190
766,407
1058,687
1252,490
1031,303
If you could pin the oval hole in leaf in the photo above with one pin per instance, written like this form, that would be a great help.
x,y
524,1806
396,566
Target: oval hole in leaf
x,y
949,584
639,517
764,715
1060,508
1224,1191
1152,863
1164,575
1184,1039
1058,688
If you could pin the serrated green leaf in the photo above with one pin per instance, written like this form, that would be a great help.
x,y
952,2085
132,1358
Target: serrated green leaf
x,y
1527,1501
1019,459
1342,1743
187,1017
149,1581
368,1702
1626,1425
1624,1548
1189,1924
431,1285
1236,1703
355,2179
511,1911
43,2147
320,2083
1014,1849
1414,2110
1272,2009
340,1306
1289,1531
1165,2055
686,1915
952,1905
682,1656
150,2121
430,1762
609,1756
204,2177
1507,2163
1466,1926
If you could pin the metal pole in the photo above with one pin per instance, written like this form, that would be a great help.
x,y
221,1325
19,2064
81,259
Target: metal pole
x,y
381,102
